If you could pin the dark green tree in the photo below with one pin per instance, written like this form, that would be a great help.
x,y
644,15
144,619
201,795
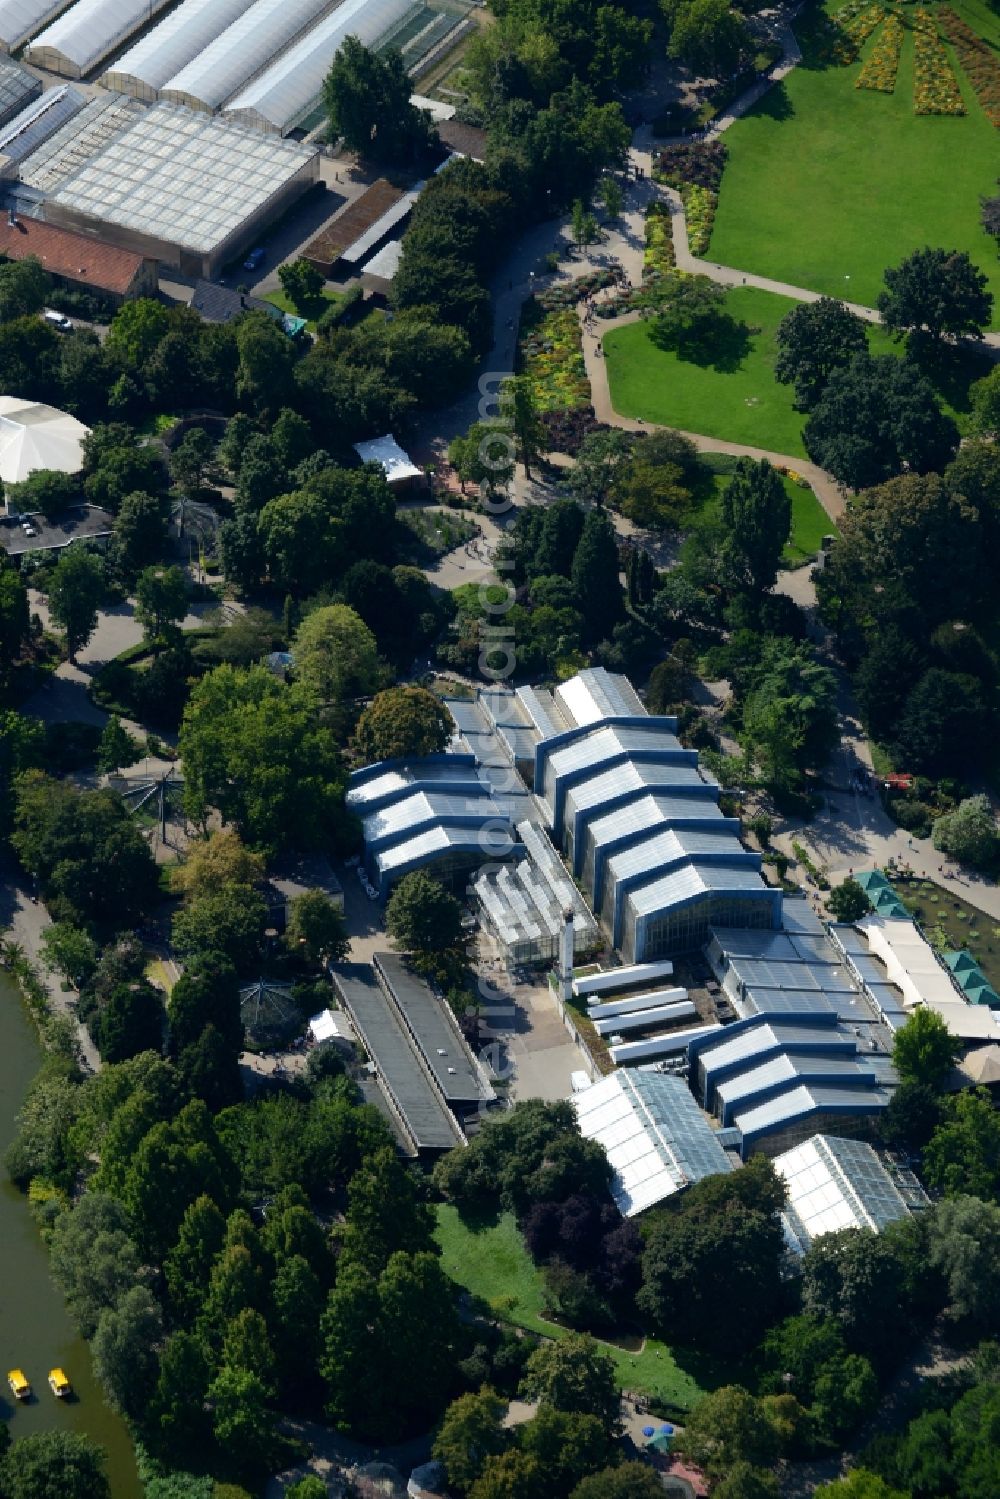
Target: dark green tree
x,y
402,721
814,339
632,1480
384,1214
848,901
75,591
302,283
421,916
963,1154
938,293
595,577
124,1348
875,418
574,1374
925,1050
161,601
367,98
756,517
117,747
471,1432
176,1419
316,928
54,1465
189,1261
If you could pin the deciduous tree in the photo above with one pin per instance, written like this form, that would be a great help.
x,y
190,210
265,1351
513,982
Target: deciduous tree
x,y
402,721
421,916
367,98
756,517
970,833
814,339
316,926
336,655
76,590
47,1464
938,293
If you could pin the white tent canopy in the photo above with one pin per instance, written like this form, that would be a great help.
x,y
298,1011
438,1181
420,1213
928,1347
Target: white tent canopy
x,y
33,436
396,463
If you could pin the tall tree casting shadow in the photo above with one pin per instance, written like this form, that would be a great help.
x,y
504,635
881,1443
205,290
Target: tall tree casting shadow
x,y
720,342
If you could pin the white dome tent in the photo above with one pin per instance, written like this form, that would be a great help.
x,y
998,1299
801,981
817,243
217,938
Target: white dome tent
x,y
33,436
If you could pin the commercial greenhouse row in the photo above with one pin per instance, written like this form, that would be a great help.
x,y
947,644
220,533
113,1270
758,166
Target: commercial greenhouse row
x,y
263,64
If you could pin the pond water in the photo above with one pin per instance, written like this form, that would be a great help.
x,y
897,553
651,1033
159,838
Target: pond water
x,y
36,1333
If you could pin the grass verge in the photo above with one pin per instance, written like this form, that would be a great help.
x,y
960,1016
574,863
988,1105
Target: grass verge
x,y
493,1265
828,184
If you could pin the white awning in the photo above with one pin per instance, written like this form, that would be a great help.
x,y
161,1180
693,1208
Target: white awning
x,y
396,464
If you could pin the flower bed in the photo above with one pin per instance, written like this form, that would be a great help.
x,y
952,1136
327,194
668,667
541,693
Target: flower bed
x,y
982,67
700,164
551,355
566,430
935,87
856,23
879,72
658,256
699,210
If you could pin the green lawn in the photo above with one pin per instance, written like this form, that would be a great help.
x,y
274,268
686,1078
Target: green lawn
x,y
810,523
735,397
827,184
731,392
492,1263
282,300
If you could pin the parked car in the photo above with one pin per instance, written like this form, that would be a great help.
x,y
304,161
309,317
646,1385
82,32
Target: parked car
x,y
57,320
254,259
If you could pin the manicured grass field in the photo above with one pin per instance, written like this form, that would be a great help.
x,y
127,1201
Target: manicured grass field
x,y
492,1263
810,523
731,392
827,184
283,301
735,397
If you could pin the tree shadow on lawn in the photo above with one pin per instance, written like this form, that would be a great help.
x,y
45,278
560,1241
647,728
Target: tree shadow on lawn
x,y
720,343
775,103
949,369
710,1370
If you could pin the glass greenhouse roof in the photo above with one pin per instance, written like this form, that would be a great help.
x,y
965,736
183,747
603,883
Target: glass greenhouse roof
x,y
74,143
289,88
178,39
26,131
239,51
835,1183
20,19
655,1136
91,29
17,86
695,879
182,177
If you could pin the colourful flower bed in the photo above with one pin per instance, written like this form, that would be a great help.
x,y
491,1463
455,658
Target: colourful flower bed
x,y
702,163
879,72
935,87
658,256
551,355
856,24
982,67
699,210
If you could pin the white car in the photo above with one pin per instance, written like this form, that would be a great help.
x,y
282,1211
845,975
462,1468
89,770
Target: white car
x,y
57,320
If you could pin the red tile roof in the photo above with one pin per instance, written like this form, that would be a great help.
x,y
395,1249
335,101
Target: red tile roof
x,y
71,255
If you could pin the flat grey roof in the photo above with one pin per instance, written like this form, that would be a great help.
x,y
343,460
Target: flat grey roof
x,y
399,1067
81,523
435,1031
